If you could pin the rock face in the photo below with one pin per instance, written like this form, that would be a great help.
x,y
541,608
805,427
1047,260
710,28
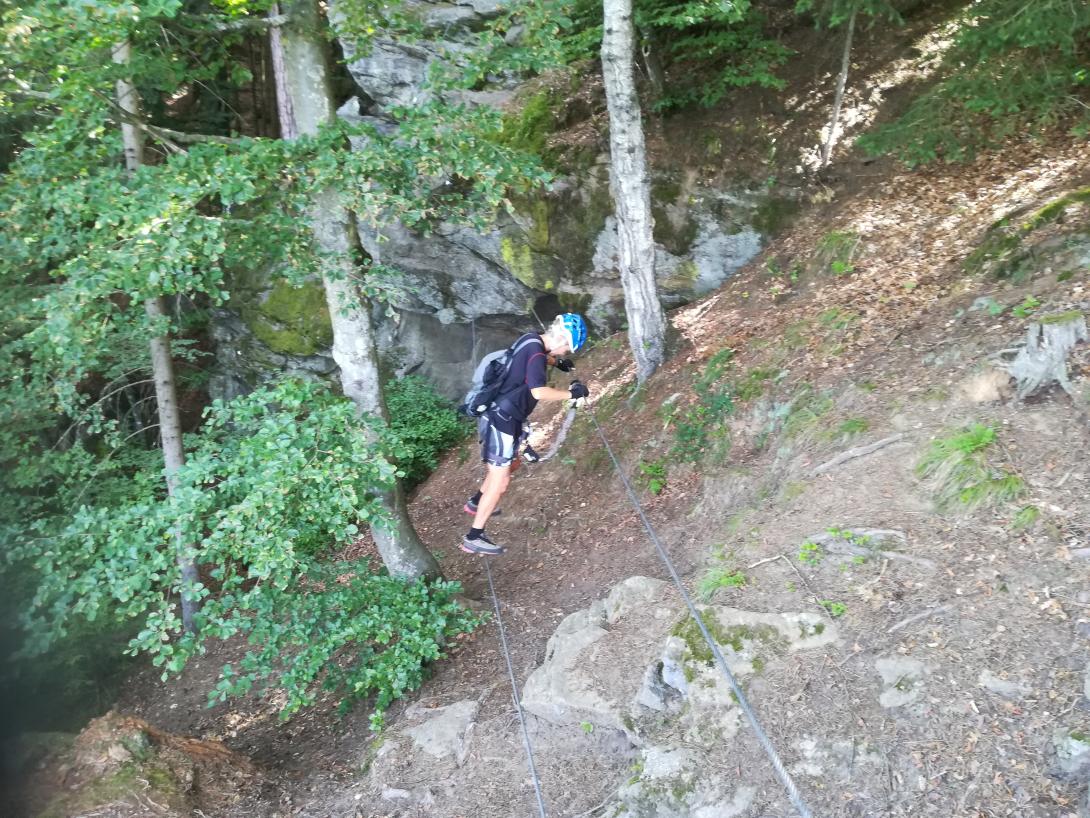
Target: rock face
x,y
634,663
462,293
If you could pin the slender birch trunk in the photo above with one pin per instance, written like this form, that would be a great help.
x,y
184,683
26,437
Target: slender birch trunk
x,y
631,191
838,97
162,364
305,102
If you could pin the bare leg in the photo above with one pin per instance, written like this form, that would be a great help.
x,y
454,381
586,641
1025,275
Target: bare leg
x,y
495,484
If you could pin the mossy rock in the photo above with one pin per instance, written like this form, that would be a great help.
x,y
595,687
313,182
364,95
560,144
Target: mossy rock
x,y
738,638
1005,251
291,320
675,228
526,265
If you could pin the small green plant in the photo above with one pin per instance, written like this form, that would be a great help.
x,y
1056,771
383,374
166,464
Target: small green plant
x,y
720,577
811,553
958,467
1028,305
1026,517
835,609
805,410
836,318
852,427
753,383
993,307
837,249
849,536
586,727
654,475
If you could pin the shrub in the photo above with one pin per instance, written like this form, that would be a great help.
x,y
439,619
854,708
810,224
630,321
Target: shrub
x,y
654,475
274,482
424,422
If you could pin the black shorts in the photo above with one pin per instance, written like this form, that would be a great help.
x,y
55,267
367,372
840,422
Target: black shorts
x,y
500,436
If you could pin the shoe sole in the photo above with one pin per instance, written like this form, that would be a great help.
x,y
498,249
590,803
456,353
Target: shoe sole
x,y
483,553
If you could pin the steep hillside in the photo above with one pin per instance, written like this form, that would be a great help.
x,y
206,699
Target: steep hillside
x,y
952,592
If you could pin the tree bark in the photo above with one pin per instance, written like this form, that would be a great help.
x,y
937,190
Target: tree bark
x,y
162,364
304,94
838,97
631,191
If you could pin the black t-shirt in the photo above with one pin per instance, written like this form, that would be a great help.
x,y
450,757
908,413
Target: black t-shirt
x,y
527,371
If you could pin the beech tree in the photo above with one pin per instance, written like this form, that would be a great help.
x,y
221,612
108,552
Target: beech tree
x,y
631,186
162,362
305,103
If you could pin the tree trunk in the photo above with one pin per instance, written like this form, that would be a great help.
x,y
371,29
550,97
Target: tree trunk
x,y
631,191
304,94
162,364
838,97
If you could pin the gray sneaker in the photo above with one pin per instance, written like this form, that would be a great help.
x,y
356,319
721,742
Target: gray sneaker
x,y
481,545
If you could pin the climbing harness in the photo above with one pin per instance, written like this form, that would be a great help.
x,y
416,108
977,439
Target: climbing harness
x,y
515,692
762,737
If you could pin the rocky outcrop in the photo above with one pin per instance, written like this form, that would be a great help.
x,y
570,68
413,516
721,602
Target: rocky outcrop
x,y
635,663
417,764
462,293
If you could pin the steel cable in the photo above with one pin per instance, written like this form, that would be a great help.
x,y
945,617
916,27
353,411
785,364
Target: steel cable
x,y
762,737
515,692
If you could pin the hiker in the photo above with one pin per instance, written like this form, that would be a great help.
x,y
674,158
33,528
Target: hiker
x,y
501,428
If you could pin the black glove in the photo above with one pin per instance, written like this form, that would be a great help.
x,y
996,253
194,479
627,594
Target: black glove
x,y
564,364
578,390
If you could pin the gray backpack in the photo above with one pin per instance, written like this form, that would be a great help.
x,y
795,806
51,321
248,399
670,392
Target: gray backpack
x,y
488,377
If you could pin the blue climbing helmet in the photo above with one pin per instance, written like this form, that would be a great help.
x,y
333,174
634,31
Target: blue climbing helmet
x,y
576,328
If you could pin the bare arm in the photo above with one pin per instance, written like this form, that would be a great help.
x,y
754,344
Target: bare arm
x,y
550,393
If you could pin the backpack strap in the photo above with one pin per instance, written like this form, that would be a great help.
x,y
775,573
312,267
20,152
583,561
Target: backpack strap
x,y
516,347
526,378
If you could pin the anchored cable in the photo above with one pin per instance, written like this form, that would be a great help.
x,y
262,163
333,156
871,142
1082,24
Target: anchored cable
x,y
762,737
515,692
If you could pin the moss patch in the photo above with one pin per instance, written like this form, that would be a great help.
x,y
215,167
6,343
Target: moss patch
x,y
536,213
292,320
773,214
522,264
151,780
528,128
1061,318
683,278
1003,252
736,637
